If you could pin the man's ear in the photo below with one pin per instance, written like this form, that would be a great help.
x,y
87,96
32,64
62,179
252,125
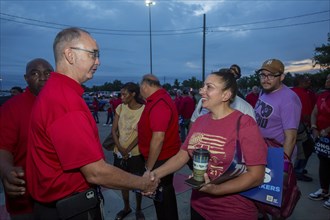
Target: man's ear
x,y
69,55
282,77
226,95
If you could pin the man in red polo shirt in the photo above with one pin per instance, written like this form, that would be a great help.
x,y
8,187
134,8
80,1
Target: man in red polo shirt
x,y
159,139
302,84
65,161
14,125
186,109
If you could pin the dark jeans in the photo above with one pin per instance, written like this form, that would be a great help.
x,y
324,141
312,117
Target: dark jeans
x,y
109,118
184,129
96,116
167,208
324,172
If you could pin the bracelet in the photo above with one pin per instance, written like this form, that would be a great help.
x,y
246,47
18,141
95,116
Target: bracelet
x,y
313,127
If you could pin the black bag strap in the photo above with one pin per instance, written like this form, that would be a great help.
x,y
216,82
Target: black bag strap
x,y
237,127
237,137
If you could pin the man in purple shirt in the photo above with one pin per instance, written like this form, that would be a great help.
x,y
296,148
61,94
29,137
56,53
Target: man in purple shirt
x,y
278,108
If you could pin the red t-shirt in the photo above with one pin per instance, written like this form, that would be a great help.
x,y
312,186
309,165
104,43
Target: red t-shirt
x,y
186,107
63,137
115,102
323,110
252,98
14,126
308,100
159,115
219,137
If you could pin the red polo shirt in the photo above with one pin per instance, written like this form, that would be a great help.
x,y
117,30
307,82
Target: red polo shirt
x,y
14,125
308,101
159,115
186,107
63,138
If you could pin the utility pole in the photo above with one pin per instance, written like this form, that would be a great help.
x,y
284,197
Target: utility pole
x,y
150,3
203,70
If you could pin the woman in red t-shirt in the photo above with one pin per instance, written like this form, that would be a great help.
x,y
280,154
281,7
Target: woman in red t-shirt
x,y
216,132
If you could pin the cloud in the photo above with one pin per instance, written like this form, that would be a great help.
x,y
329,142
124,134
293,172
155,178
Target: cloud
x,y
192,65
95,9
202,7
300,66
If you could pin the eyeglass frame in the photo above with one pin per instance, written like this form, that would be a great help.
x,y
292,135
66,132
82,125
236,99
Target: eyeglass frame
x,y
95,53
263,76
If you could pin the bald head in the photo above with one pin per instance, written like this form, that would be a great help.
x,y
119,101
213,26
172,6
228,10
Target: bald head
x,y
37,73
151,80
65,37
149,85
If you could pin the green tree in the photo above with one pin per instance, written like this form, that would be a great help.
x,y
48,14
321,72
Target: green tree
x,y
167,86
192,83
176,84
322,55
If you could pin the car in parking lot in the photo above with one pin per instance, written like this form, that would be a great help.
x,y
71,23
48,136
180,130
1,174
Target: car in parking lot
x,y
103,103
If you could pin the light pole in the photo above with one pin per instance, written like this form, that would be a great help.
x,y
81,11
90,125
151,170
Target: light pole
x,y
150,3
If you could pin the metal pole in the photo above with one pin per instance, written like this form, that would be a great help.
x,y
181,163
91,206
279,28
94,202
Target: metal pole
x,y
150,40
203,70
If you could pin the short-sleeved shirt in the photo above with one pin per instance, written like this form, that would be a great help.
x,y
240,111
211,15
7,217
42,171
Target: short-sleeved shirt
x,y
186,107
127,126
238,104
323,110
159,115
308,100
14,126
219,137
63,138
276,112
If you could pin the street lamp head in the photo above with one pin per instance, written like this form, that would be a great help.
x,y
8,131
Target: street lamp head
x,y
150,3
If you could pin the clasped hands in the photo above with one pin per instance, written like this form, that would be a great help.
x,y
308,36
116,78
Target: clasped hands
x,y
13,182
207,187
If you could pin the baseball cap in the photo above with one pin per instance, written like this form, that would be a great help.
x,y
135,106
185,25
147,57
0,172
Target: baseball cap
x,y
273,66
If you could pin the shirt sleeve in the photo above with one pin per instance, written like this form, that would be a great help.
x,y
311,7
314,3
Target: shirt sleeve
x,y
9,127
75,141
253,146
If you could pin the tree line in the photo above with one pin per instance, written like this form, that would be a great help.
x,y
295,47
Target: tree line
x,y
321,57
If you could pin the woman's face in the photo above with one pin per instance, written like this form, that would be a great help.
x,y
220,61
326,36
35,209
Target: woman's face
x,y
126,96
212,92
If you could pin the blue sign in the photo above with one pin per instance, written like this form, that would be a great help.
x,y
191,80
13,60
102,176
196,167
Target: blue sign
x,y
270,191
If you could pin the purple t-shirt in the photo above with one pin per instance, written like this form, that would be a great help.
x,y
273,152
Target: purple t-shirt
x,y
276,112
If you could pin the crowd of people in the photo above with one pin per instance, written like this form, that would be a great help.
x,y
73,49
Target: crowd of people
x,y
52,163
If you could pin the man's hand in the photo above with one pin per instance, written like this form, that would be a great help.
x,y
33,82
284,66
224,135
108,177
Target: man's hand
x,y
151,182
13,182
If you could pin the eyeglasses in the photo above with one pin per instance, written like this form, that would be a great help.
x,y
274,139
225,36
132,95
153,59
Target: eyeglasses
x,y
269,76
95,53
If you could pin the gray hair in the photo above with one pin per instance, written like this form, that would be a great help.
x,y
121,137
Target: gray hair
x,y
64,37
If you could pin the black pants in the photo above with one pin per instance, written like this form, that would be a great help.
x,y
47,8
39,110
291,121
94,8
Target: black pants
x,y
49,212
324,173
167,208
194,215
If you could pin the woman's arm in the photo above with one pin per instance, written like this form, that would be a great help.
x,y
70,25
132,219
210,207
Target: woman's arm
x,y
173,164
252,178
115,134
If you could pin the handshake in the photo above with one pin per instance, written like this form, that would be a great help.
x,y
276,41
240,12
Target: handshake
x,y
152,189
